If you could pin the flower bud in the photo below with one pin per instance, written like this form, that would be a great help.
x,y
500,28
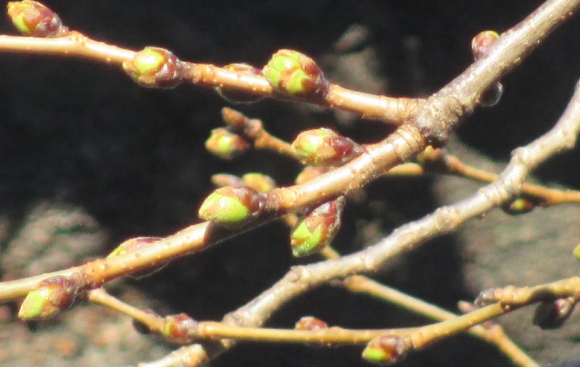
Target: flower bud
x,y
155,67
225,144
518,206
482,42
231,206
310,323
385,350
295,74
34,19
553,314
317,229
234,95
51,296
179,328
259,182
134,244
324,147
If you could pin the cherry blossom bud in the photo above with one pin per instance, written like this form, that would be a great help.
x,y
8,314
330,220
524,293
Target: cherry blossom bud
x,y
259,182
225,144
385,350
553,314
34,19
179,328
134,244
50,297
308,173
317,229
324,147
310,323
234,95
519,206
231,206
155,67
295,74
482,42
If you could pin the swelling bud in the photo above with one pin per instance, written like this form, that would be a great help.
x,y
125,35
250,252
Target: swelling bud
x,y
324,147
155,67
32,18
292,73
231,206
317,229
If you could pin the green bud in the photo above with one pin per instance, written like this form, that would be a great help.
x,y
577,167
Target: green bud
x,y
519,206
553,314
231,206
385,350
317,229
295,74
34,19
225,144
155,67
259,182
134,244
237,96
324,147
50,297
179,328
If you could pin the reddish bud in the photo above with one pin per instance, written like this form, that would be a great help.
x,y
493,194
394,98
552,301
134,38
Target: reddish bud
x,y
385,350
234,95
553,314
225,144
232,206
324,147
295,74
179,328
155,67
482,42
317,229
34,19
50,297
310,323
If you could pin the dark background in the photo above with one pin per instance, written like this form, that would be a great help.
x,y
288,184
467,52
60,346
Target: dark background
x,y
88,159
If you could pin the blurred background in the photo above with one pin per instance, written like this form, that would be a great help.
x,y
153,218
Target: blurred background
x,y
89,159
